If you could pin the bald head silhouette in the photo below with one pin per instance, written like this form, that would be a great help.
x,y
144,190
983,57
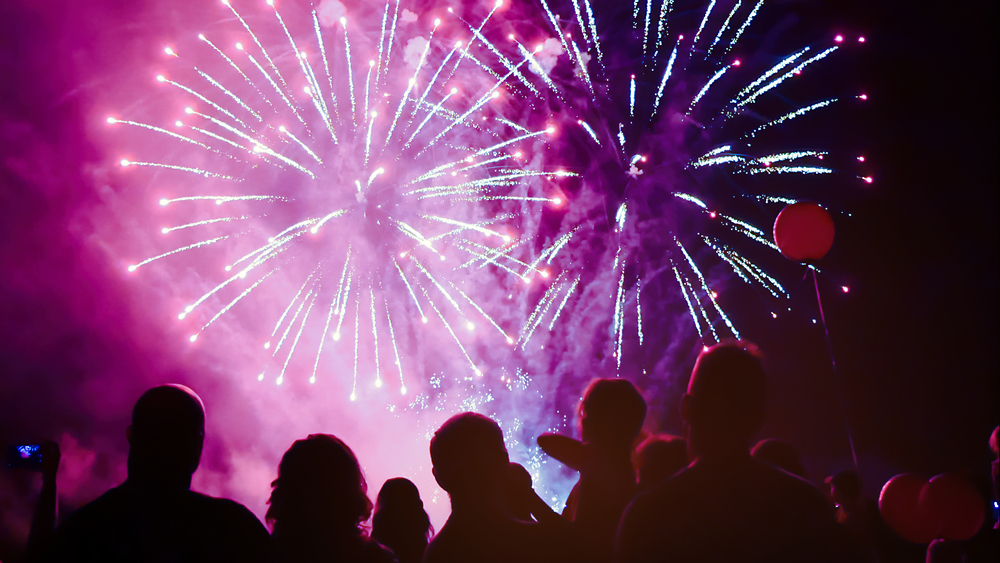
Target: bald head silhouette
x,y
166,435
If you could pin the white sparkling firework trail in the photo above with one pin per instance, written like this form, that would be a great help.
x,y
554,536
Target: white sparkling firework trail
x,y
718,29
322,179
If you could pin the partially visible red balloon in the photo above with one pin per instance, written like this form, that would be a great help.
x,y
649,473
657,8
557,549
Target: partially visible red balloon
x,y
804,231
901,509
955,508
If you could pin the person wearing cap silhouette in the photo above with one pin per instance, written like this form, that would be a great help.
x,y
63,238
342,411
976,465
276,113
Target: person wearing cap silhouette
x,y
154,515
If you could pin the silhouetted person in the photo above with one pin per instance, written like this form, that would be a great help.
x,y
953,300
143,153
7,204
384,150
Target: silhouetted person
x,y
400,522
318,503
860,516
153,515
781,455
471,463
658,458
727,506
611,416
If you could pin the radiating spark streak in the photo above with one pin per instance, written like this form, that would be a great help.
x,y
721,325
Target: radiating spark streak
x,y
395,350
680,283
295,342
409,288
701,27
114,121
229,142
768,74
392,39
538,314
257,41
593,32
558,30
162,78
138,265
350,79
229,93
490,257
582,68
691,198
219,199
584,29
476,306
590,131
661,27
505,62
232,303
381,44
666,76
791,170
327,217
430,114
343,277
464,225
533,64
166,230
354,384
476,35
638,308
715,151
704,90
725,159
197,171
378,371
291,304
298,141
437,171
437,284
792,155
235,66
744,267
751,231
322,340
491,181
723,28
368,81
631,98
746,24
447,326
789,116
368,138
704,286
645,27
433,80
773,84
619,318
562,304
275,86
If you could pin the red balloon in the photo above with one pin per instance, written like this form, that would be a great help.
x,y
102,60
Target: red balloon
x,y
955,508
803,231
899,504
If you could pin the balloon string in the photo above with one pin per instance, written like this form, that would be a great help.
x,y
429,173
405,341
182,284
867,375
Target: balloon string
x,y
836,373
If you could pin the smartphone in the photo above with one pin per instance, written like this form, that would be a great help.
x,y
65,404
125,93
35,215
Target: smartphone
x,y
28,456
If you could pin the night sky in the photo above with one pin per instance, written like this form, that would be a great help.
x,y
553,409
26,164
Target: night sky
x,y
915,338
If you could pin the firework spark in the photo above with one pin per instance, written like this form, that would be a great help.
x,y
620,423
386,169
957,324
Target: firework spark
x,y
683,81
375,181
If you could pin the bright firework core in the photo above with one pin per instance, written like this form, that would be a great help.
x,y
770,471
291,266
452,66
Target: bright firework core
x,y
375,193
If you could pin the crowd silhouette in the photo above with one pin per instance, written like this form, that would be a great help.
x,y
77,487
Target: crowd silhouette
x,y
707,496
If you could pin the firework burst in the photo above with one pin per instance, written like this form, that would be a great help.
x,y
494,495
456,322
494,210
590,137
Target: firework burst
x,y
372,185
693,130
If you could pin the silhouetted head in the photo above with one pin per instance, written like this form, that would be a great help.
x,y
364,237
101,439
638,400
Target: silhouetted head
x,y
469,456
400,522
781,455
611,413
320,489
166,436
724,404
845,487
658,458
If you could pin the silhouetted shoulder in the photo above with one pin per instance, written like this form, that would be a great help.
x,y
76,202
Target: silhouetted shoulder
x,y
745,511
128,525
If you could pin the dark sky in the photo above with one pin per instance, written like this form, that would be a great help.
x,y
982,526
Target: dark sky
x,y
916,339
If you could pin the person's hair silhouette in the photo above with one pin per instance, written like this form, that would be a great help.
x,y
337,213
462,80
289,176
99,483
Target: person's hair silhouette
x,y
400,522
154,515
318,504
